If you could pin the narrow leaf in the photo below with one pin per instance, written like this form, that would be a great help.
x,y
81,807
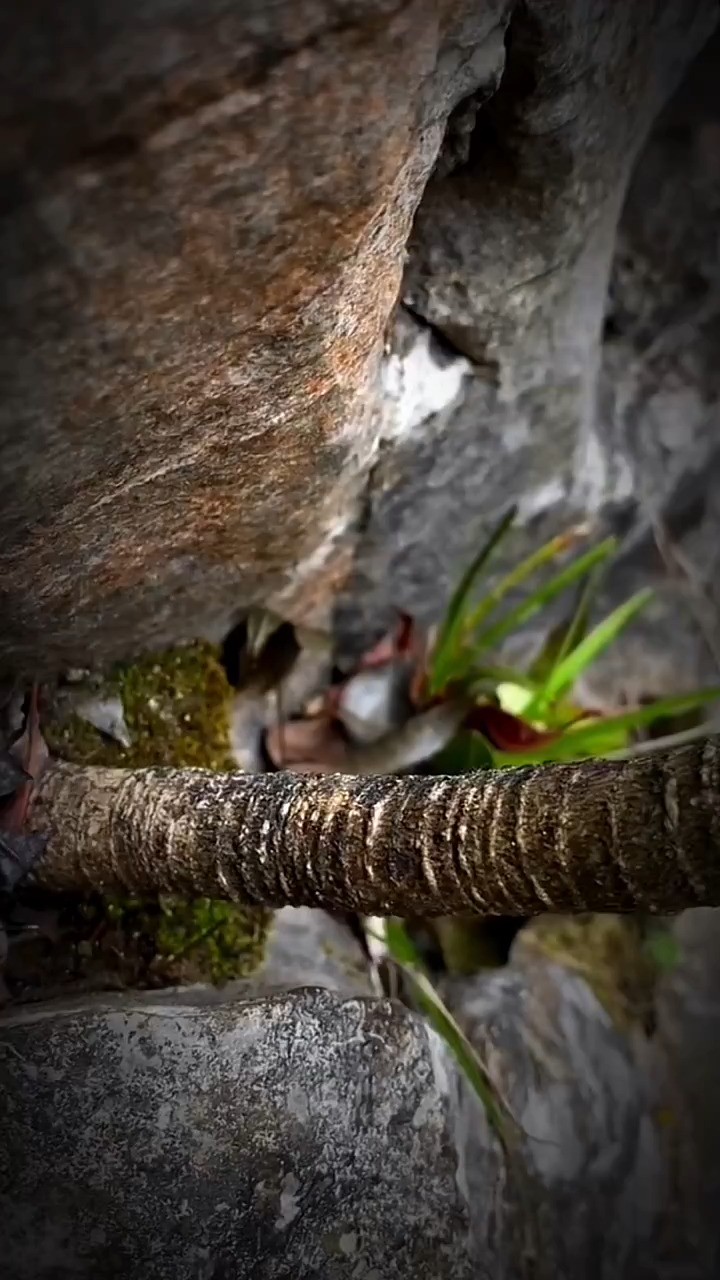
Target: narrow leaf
x,y
568,633
605,734
403,951
452,623
589,649
545,594
531,564
506,732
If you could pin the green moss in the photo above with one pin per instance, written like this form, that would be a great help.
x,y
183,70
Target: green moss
x,y
199,941
615,954
176,707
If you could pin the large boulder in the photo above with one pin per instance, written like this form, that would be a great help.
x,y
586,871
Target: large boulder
x,y
548,356
326,1135
299,1135
211,212
206,213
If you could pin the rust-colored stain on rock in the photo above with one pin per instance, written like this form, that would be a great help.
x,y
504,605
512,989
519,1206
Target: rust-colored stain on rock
x,y
198,278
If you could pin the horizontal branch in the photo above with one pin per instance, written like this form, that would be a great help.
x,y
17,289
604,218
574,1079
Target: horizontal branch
x,y
600,835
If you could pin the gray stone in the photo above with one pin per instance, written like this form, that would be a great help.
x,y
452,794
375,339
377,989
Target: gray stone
x,y
587,1185
309,948
492,390
689,1031
196,413
306,1134
298,1136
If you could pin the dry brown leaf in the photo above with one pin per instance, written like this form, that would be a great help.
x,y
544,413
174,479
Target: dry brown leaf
x,y
31,753
308,746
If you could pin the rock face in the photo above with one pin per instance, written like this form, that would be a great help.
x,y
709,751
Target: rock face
x,y
507,305
207,207
199,277
231,1142
310,1134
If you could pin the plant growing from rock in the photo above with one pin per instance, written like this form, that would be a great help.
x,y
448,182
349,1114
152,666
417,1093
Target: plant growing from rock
x,y
576,834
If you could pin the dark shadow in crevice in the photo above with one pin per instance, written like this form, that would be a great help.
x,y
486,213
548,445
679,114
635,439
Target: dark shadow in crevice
x,y
233,646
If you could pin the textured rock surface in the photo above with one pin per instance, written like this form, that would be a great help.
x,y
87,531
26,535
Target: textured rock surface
x,y
689,1029
306,1134
298,1136
206,214
586,1190
509,260
199,274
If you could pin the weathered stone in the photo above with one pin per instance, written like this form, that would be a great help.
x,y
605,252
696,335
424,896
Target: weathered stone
x,y
491,392
199,274
310,948
206,212
587,1186
689,1032
299,1136
305,1134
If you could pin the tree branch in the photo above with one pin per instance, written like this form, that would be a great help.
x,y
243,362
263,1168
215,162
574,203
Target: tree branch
x,y
601,835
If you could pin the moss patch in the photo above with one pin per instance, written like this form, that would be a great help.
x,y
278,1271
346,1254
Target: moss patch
x,y
620,957
176,710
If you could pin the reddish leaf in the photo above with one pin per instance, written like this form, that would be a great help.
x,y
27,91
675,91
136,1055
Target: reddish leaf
x,y
402,642
31,753
403,645
507,732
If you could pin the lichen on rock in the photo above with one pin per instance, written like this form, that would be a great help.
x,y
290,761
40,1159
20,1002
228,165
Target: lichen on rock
x,y
616,955
175,707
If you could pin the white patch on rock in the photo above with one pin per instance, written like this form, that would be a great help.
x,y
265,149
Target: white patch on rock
x,y
348,1243
417,385
541,499
107,715
335,529
591,473
600,475
438,1061
289,1203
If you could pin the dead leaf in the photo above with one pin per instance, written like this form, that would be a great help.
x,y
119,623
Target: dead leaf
x,y
375,701
11,774
308,746
403,641
26,921
31,753
18,855
248,719
271,651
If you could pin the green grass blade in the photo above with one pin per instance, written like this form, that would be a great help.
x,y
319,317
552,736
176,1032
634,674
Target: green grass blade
x,y
589,649
452,622
545,594
483,680
527,567
567,638
403,951
467,753
600,737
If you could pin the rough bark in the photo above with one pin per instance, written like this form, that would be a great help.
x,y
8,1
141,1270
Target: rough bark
x,y
606,835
